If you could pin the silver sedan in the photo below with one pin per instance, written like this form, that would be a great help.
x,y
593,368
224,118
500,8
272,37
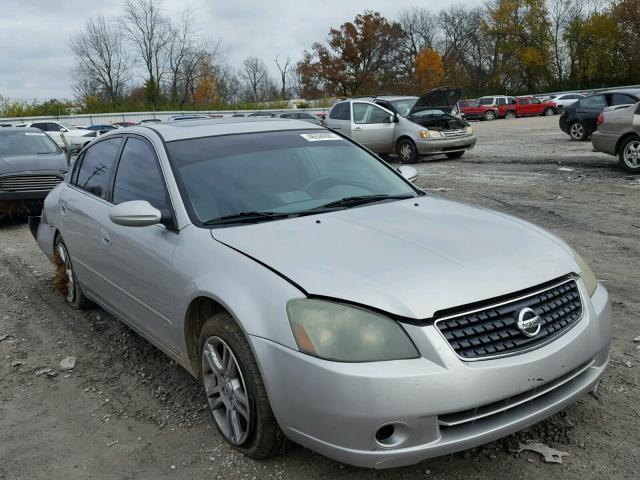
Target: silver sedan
x,y
319,295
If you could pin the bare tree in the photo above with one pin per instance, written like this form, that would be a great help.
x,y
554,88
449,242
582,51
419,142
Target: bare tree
x,y
255,76
149,31
420,27
284,70
102,62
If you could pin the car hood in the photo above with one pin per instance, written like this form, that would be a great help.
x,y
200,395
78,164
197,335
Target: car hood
x,y
410,258
443,98
24,163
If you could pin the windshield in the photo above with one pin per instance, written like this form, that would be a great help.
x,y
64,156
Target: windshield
x,y
404,105
26,143
288,172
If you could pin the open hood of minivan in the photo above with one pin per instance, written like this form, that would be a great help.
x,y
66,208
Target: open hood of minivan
x,y
443,98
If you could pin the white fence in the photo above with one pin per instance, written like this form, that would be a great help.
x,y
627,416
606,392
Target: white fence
x,y
107,118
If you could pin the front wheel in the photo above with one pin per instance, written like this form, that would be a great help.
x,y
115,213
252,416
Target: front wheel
x,y
407,151
577,131
65,280
510,115
629,155
455,154
549,112
234,390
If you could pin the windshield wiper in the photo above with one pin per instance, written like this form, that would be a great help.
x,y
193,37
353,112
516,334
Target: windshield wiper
x,y
246,217
348,202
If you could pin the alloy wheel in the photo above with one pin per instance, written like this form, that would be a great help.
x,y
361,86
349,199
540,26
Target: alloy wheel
x,y
406,152
226,390
631,154
63,254
489,116
577,131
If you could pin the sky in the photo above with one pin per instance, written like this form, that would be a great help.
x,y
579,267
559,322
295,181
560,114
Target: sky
x,y
35,61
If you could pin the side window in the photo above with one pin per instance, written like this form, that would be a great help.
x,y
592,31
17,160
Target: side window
x,y
523,101
622,99
511,100
53,127
597,101
502,101
41,126
369,114
340,111
97,166
139,176
535,101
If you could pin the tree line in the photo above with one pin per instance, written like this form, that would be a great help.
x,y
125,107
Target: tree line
x,y
506,46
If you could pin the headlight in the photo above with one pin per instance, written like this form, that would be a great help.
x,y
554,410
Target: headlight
x,y
469,131
586,273
342,333
430,134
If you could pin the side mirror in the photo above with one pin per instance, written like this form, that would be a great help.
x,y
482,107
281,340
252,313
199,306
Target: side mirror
x,y
64,130
136,213
409,173
395,118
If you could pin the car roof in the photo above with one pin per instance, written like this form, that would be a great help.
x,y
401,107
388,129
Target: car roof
x,y
20,129
633,91
220,126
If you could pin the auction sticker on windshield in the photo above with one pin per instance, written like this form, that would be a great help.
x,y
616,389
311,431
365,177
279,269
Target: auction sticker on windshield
x,y
320,137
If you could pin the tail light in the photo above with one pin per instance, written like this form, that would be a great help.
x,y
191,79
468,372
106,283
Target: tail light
x,y
600,118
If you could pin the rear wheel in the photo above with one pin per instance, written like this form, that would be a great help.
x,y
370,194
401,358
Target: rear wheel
x,y
65,280
489,115
455,154
549,111
510,115
577,131
234,390
407,151
629,155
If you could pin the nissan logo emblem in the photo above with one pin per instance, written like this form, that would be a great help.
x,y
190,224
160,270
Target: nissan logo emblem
x,y
529,323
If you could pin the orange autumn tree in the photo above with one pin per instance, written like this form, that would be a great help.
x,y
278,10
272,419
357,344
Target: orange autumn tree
x,y
429,70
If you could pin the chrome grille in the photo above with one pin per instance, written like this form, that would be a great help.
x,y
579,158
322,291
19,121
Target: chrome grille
x,y
492,331
455,133
29,183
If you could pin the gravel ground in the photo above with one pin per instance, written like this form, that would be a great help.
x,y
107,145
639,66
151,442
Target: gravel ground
x,y
126,411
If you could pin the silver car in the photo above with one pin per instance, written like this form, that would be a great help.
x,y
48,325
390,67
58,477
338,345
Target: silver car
x,y
618,134
320,296
411,127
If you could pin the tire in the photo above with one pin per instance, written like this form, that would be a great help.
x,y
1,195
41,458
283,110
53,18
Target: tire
x,y
577,131
629,155
238,395
407,151
65,280
510,115
489,115
455,154
549,111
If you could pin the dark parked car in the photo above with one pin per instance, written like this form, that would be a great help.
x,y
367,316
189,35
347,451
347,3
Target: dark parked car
x,y
579,119
31,164
307,117
149,120
101,128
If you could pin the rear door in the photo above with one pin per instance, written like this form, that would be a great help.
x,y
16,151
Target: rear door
x,y
537,107
372,126
84,210
588,110
339,118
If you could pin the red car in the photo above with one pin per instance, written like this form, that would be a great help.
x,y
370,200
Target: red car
x,y
479,109
526,107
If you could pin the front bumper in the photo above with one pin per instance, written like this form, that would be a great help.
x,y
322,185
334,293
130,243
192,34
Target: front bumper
x,y
336,408
433,146
605,143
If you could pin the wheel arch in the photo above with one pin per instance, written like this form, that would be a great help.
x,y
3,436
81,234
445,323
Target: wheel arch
x,y
404,136
623,139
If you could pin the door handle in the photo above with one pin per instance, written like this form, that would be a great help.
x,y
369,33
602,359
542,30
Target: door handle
x,y
63,209
357,129
105,236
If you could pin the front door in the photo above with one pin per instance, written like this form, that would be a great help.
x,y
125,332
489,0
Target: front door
x,y
373,127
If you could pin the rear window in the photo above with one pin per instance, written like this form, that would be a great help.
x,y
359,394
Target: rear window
x,y
26,143
597,101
